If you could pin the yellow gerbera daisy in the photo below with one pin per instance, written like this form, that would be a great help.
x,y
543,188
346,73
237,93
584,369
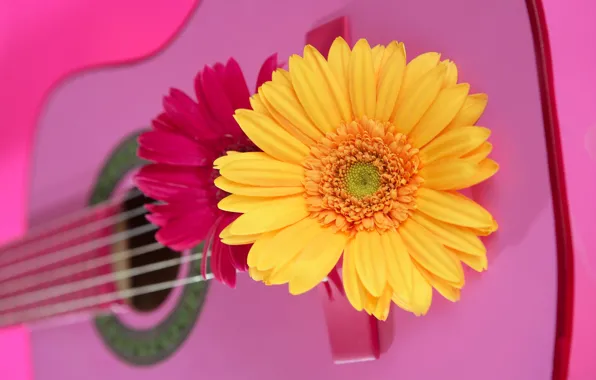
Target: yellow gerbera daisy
x,y
363,155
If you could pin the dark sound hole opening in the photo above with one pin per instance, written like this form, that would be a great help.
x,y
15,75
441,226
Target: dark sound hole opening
x,y
150,301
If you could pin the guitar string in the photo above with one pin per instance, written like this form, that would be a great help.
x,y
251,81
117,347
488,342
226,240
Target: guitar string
x,y
71,288
58,256
36,279
83,304
80,305
20,253
55,224
89,247
22,284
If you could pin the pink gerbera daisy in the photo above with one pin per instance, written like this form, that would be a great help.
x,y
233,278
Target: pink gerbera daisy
x,y
185,140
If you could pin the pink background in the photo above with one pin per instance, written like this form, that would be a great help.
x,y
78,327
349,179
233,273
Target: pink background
x,y
34,59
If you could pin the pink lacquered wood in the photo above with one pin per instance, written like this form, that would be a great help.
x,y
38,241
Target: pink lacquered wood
x,y
353,336
65,36
572,34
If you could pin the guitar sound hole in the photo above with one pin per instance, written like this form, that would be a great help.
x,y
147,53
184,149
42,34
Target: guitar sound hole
x,y
149,301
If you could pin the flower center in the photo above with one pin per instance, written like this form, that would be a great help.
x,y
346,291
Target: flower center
x,y
363,176
362,179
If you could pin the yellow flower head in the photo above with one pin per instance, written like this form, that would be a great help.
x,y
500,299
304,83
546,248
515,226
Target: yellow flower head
x,y
363,155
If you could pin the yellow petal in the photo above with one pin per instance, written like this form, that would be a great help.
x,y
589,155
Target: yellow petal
x,y
390,80
286,270
240,239
308,134
229,239
257,275
225,232
259,102
477,262
415,70
370,261
273,216
234,156
450,235
312,92
377,56
455,143
429,253
449,174
422,295
462,279
259,191
451,75
339,96
257,105
243,203
362,83
392,48
318,259
370,302
470,112
486,169
479,153
339,61
264,172
259,248
288,243
443,287
353,287
270,136
453,208
282,77
417,99
485,231
401,303
381,311
399,265
439,115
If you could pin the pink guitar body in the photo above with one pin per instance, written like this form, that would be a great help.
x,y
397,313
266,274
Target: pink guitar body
x,y
78,81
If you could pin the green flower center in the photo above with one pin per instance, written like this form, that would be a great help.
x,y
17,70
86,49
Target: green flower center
x,y
362,179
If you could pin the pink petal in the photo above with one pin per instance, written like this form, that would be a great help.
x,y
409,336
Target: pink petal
x,y
174,209
167,192
160,191
170,183
206,113
221,262
157,219
269,66
185,114
205,107
187,231
220,145
217,100
174,149
161,214
163,123
239,256
180,176
235,85
220,69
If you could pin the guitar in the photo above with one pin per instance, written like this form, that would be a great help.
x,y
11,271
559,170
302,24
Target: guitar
x,y
86,292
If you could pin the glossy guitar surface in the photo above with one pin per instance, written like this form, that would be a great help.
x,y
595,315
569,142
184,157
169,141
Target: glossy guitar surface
x,y
74,145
